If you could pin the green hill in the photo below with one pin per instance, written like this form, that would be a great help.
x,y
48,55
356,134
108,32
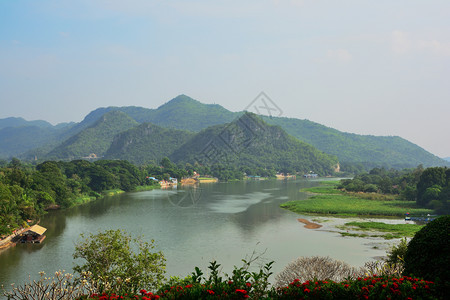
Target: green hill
x,y
182,112
16,140
146,143
249,141
392,151
94,139
186,113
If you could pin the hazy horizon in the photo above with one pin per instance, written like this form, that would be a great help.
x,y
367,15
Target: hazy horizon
x,y
373,68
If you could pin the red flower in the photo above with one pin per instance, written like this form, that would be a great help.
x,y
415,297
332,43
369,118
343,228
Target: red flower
x,y
188,286
143,291
307,290
210,292
230,282
241,291
248,284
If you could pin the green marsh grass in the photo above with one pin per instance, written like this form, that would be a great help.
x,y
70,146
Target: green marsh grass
x,y
397,230
330,201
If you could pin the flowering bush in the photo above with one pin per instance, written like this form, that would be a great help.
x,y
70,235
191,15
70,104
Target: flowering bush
x,y
374,287
362,288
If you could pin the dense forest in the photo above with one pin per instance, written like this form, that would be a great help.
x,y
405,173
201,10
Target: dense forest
x,y
27,191
252,143
429,187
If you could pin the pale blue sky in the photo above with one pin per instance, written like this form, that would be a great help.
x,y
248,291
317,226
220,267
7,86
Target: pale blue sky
x,y
367,67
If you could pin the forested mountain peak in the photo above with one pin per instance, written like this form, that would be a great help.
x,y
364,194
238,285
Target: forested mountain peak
x,y
249,141
146,143
95,139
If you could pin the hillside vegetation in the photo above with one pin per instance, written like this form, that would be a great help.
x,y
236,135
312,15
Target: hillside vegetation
x,y
249,141
95,139
146,143
354,152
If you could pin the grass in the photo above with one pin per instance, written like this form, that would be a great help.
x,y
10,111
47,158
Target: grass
x,y
330,201
396,230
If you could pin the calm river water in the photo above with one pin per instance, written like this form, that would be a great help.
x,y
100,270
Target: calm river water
x,y
192,226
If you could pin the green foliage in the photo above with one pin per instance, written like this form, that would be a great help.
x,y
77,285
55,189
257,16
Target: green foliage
x,y
146,143
113,265
241,284
346,205
396,255
369,151
27,191
434,185
396,230
94,139
250,145
428,253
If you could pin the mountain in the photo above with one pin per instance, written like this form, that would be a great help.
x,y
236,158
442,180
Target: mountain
x,y
16,140
182,112
446,158
20,122
186,113
146,143
250,141
18,135
392,151
95,139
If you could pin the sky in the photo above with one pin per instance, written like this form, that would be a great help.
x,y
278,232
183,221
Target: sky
x,y
366,67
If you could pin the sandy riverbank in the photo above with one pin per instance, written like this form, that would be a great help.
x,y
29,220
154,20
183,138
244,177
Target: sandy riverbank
x,y
308,224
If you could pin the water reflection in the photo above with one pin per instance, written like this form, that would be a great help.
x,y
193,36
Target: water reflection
x,y
192,226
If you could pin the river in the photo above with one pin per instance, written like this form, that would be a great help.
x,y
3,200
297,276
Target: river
x,y
193,226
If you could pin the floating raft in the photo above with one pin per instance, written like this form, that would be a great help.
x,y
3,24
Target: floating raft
x,y
33,234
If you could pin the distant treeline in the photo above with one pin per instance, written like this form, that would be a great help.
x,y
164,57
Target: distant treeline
x,y
429,187
27,191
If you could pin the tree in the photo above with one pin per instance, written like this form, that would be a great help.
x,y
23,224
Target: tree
x,y
428,255
167,164
429,178
115,266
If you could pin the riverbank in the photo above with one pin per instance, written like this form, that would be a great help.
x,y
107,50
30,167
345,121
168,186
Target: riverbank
x,y
327,200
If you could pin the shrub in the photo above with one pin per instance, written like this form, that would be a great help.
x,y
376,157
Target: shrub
x,y
61,286
396,255
241,284
428,253
375,287
113,265
383,268
316,267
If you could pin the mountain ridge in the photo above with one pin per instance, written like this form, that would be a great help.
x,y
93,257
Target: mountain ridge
x,y
183,112
251,142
